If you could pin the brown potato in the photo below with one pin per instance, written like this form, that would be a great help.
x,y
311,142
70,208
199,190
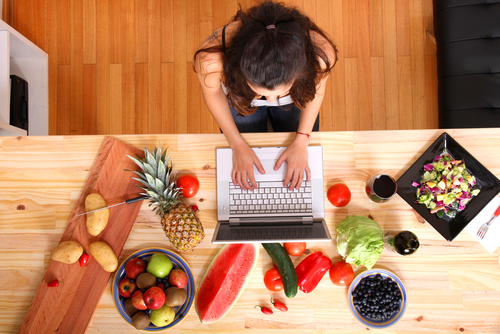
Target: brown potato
x,y
104,254
67,252
96,221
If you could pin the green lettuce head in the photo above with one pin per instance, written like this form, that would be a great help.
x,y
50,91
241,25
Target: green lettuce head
x,y
360,240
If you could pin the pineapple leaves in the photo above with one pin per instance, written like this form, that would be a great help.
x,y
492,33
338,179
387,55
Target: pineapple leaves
x,y
151,162
161,171
149,170
141,181
151,181
160,186
137,162
153,194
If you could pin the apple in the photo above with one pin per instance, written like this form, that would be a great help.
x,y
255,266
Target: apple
x,y
162,316
159,265
154,298
126,287
134,267
178,278
138,300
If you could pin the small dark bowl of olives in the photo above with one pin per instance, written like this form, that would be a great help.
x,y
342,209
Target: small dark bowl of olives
x,y
377,298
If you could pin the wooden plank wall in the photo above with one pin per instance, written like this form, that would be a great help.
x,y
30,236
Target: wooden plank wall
x,y
125,66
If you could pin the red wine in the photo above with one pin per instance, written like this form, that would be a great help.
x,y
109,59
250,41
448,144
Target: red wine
x,y
384,186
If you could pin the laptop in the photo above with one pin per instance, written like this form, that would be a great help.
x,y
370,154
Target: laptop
x,y
270,213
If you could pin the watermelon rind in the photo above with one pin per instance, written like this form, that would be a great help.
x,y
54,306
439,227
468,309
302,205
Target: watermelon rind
x,y
223,301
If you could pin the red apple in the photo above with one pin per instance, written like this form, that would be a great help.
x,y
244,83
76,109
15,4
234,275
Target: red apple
x,y
138,300
154,298
178,278
126,287
134,267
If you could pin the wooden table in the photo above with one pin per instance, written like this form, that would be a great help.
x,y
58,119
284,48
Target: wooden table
x,y
451,286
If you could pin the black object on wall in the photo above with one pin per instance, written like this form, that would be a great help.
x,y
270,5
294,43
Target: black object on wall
x,y
19,102
468,62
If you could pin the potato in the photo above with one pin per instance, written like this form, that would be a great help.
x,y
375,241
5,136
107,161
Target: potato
x,y
67,252
96,221
103,253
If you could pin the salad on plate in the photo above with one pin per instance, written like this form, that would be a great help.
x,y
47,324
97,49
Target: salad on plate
x,y
446,186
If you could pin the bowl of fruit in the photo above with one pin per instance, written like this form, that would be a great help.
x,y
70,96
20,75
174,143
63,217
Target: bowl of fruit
x,y
377,299
153,289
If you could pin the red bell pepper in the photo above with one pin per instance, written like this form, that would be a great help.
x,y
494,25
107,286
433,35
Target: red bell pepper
x,y
311,270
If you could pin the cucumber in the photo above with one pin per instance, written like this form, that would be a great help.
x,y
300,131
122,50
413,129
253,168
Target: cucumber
x,y
285,266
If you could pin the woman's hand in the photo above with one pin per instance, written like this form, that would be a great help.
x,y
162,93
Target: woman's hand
x,y
243,160
297,158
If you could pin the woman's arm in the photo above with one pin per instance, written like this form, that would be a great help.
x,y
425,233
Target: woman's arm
x,y
296,154
244,158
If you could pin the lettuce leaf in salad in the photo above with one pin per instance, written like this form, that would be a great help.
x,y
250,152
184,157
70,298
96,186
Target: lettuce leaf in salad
x,y
446,186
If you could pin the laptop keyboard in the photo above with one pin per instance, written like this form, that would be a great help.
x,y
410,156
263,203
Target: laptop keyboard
x,y
270,197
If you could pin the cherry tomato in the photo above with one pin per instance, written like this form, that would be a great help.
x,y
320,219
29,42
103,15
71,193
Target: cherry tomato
x,y
189,185
341,273
272,280
295,248
264,309
339,195
279,305
84,259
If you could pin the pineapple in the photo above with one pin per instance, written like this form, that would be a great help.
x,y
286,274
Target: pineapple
x,y
178,219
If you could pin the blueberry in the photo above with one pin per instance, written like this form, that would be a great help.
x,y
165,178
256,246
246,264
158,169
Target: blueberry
x,y
148,311
132,280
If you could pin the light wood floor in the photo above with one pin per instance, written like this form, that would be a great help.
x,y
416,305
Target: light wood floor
x,y
124,66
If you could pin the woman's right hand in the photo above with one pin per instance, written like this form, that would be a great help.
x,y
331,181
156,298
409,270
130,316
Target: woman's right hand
x,y
244,158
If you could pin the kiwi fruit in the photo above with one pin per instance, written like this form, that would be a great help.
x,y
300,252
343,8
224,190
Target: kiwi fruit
x,y
184,295
129,308
145,280
173,296
140,320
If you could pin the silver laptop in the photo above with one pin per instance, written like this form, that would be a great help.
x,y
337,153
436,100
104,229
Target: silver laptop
x,y
270,213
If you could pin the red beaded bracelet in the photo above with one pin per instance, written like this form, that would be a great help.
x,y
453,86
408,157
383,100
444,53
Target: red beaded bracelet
x,y
302,133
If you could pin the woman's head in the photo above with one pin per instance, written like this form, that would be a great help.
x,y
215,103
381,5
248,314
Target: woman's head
x,y
272,50
270,44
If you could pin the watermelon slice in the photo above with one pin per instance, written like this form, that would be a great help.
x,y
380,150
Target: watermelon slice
x,y
225,280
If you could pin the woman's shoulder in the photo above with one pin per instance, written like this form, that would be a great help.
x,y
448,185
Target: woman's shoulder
x,y
210,64
326,47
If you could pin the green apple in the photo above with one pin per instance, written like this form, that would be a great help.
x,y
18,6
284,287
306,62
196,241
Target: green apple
x,y
159,265
162,316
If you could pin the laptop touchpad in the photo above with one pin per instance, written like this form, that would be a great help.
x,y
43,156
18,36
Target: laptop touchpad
x,y
269,168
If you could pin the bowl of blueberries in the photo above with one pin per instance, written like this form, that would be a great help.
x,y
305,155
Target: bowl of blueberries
x,y
377,298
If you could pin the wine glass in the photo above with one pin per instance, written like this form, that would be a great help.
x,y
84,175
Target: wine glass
x,y
379,188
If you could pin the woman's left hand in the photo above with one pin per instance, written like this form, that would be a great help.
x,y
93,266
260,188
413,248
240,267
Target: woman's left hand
x,y
296,157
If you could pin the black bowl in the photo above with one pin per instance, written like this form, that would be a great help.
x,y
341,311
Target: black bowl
x,y
448,227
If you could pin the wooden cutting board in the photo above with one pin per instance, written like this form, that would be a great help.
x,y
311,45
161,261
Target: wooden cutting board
x,y
69,307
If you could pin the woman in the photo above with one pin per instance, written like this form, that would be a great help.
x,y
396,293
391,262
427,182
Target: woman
x,y
269,59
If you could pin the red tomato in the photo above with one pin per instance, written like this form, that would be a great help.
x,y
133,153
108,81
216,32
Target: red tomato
x,y
295,248
84,259
189,185
272,280
339,195
341,273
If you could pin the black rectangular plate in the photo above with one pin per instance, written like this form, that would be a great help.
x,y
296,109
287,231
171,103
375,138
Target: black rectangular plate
x,y
448,227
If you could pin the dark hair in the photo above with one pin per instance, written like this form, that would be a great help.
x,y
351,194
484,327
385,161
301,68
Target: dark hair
x,y
272,47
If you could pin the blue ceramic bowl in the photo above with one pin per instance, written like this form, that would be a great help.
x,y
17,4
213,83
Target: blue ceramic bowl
x,y
378,324
180,263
